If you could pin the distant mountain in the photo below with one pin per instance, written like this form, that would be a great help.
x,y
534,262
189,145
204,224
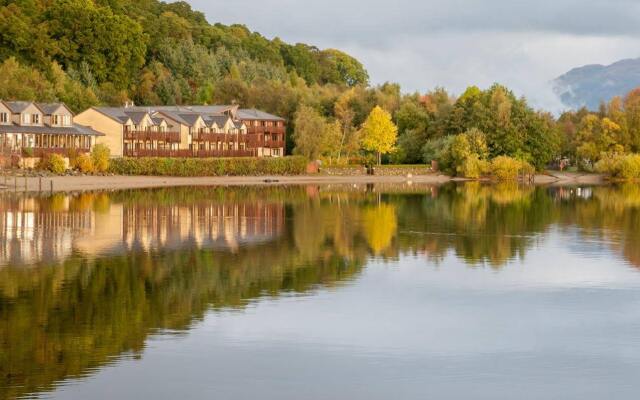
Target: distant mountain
x,y
590,85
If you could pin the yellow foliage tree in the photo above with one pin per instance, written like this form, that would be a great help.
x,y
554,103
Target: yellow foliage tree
x,y
379,133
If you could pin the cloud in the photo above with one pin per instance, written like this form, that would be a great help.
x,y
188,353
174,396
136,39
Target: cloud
x,y
453,43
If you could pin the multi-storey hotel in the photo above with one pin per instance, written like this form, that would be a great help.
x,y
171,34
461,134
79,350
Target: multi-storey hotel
x,y
187,131
39,129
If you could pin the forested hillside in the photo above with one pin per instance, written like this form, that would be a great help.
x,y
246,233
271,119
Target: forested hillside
x,y
87,52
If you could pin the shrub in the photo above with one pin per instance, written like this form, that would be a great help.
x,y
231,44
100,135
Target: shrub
x,y
101,156
625,167
72,154
295,165
27,152
630,167
473,167
53,163
469,144
505,168
84,164
439,150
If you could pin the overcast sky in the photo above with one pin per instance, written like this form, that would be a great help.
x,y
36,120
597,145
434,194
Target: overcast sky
x,y
452,43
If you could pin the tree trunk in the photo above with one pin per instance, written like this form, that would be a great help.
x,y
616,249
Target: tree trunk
x,y
379,158
344,134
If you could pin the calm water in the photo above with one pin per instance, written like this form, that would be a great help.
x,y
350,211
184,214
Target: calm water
x,y
358,292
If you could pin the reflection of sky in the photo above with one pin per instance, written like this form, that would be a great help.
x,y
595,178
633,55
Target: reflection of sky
x,y
559,325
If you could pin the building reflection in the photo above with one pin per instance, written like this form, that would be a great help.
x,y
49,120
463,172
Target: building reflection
x,y
47,230
30,233
208,226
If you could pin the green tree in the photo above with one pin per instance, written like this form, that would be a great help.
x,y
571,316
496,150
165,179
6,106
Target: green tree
x,y
309,132
113,46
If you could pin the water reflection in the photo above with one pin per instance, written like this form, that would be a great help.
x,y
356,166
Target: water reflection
x,y
88,277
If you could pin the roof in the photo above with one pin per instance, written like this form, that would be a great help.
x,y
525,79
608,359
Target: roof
x,y
116,113
75,129
191,118
184,114
220,109
17,107
50,108
253,114
238,124
220,120
136,116
173,116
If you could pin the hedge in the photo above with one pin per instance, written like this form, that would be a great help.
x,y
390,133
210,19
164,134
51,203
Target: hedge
x,y
294,165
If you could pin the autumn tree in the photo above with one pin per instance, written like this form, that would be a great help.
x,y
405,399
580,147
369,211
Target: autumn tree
x,y
314,136
379,134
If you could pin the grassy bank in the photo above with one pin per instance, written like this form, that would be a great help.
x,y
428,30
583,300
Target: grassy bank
x,y
188,167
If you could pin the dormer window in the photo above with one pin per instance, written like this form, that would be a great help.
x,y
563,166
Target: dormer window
x,y
55,120
35,119
4,118
66,120
26,119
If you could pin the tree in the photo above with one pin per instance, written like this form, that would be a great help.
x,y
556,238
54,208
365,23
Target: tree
x,y
379,133
340,67
113,46
345,115
19,82
310,128
632,112
413,121
331,140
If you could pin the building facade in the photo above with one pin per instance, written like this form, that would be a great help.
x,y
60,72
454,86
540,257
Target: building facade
x,y
187,131
30,129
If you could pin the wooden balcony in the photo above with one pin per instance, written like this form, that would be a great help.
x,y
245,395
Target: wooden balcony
x,y
266,129
189,153
217,137
168,137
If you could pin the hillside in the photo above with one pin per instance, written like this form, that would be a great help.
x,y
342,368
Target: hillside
x,y
87,52
592,84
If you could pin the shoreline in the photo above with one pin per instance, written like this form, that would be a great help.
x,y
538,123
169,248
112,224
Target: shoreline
x,y
110,183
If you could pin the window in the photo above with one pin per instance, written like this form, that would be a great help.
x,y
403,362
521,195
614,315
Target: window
x,y
55,120
66,120
35,119
4,118
26,118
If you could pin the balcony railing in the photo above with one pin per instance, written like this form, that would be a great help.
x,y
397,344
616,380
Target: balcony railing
x,y
251,140
266,129
169,137
188,153
217,137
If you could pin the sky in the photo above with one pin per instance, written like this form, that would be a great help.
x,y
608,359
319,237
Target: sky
x,y
423,44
